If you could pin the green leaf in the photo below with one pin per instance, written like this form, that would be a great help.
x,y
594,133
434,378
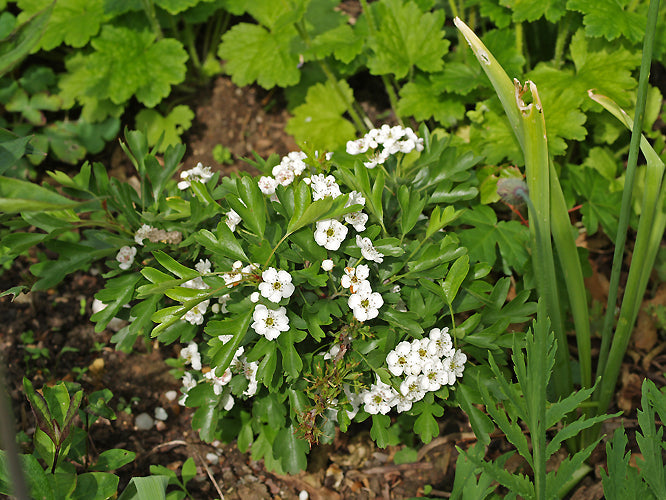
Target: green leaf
x,y
398,47
407,321
100,485
527,10
610,19
172,265
110,460
290,450
622,480
254,54
342,41
189,470
510,236
72,22
379,431
236,326
38,480
21,196
426,426
123,64
601,206
117,293
146,488
422,98
319,122
40,409
224,244
455,277
26,37
172,125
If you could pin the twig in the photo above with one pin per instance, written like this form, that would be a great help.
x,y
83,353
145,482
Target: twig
x,y
210,475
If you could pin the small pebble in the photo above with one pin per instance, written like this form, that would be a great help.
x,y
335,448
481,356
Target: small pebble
x,y
171,395
160,413
212,458
303,495
143,422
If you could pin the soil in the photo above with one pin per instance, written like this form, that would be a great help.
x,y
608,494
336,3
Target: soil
x,y
245,120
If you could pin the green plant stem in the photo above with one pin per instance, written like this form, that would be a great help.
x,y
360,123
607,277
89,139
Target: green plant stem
x,y
563,33
149,9
625,211
214,36
189,38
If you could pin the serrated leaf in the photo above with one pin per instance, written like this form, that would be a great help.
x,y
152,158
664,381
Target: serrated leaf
x,y
610,19
172,125
342,41
254,54
528,10
72,22
319,121
225,246
124,63
488,234
379,430
426,426
423,100
601,206
398,47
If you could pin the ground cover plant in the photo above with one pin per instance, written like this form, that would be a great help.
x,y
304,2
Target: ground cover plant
x,y
370,280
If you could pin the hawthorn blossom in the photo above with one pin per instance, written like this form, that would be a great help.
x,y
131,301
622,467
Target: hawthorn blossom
x,y
195,316
354,277
203,266
199,173
357,219
327,265
441,340
188,382
233,219
276,285
378,158
330,234
235,275
250,372
365,303
191,355
414,387
368,250
218,382
270,322
357,147
267,185
324,186
126,257
398,359
455,365
379,399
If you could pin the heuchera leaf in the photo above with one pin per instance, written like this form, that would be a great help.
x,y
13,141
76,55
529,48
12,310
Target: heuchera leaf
x,y
610,19
529,10
172,125
319,122
398,46
72,22
125,63
254,54
423,100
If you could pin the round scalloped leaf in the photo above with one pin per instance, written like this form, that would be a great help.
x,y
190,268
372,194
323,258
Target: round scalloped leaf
x,y
72,22
125,63
253,54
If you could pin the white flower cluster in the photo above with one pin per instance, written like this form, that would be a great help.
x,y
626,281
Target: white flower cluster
x,y
154,235
363,302
275,286
199,173
427,364
239,365
391,139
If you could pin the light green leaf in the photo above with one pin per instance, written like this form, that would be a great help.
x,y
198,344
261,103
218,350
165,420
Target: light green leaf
x,y
343,42
26,37
172,125
21,196
319,121
124,63
455,277
72,22
398,46
422,98
254,54
290,450
528,10
100,485
610,19
146,488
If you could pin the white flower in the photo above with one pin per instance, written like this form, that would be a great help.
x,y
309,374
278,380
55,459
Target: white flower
x,y
442,342
422,352
323,186
203,266
354,277
357,219
357,147
355,400
250,372
233,219
267,185
378,158
218,382
403,403
199,173
191,355
227,401
327,265
188,381
235,275
254,297
355,198
365,303
221,306
398,359
126,257
368,250
142,233
332,352
195,316
455,365
330,234
270,322
379,399
435,374
283,175
414,387
276,285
